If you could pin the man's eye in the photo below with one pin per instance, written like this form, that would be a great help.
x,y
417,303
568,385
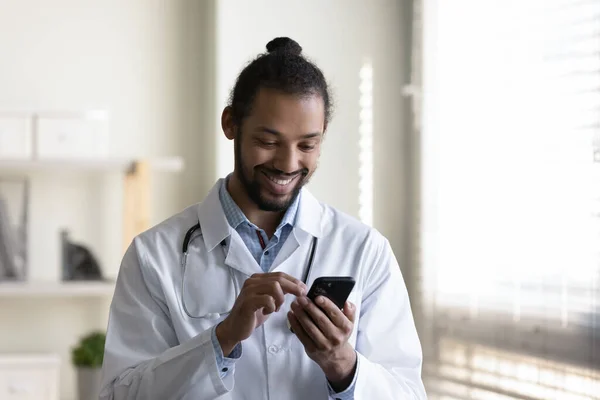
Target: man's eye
x,y
267,143
307,147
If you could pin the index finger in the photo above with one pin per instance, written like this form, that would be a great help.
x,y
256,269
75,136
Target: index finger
x,y
288,283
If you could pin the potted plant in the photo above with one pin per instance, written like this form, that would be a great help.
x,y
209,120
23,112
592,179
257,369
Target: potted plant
x,y
87,358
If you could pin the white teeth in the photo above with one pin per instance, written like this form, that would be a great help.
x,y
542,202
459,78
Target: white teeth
x,y
280,181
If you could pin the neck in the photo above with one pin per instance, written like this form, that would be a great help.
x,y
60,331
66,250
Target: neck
x,y
266,220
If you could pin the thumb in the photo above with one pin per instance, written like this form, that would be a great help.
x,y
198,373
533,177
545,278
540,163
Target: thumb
x,y
350,311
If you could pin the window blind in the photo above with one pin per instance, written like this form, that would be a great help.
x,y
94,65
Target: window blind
x,y
509,202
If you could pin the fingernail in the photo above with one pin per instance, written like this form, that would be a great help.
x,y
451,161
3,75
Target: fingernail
x,y
320,300
302,301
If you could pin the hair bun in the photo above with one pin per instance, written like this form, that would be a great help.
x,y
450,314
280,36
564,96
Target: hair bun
x,y
284,44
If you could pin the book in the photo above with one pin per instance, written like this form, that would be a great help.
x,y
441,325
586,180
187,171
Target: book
x,y
7,244
13,229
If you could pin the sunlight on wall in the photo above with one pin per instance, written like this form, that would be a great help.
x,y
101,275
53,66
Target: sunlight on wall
x,y
365,172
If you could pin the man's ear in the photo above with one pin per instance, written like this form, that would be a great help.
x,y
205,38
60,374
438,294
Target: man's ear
x,y
227,123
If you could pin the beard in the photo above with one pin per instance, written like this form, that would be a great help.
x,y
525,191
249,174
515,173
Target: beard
x,y
255,189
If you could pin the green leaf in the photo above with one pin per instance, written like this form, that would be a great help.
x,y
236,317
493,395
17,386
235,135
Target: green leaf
x,y
90,351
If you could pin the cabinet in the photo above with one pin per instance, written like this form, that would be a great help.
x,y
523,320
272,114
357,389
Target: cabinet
x,y
29,377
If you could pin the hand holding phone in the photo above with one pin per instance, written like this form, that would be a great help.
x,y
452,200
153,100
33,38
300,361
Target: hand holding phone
x,y
335,288
325,331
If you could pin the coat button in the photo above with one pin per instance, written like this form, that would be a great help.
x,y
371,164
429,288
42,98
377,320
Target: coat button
x,y
273,349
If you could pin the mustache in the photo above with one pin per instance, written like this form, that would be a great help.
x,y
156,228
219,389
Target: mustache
x,y
284,175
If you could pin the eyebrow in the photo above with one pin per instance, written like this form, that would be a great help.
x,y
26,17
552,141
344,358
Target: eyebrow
x,y
277,133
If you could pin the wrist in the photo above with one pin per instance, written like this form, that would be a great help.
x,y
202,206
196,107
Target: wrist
x,y
340,372
224,338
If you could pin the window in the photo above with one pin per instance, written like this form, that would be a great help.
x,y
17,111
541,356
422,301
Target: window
x,y
511,194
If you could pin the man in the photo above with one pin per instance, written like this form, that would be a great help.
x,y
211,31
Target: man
x,y
211,303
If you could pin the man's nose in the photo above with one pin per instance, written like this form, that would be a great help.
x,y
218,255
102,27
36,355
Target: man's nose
x,y
286,160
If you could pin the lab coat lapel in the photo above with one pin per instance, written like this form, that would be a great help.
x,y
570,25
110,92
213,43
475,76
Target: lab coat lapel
x,y
239,257
307,225
216,231
287,250
213,223
310,216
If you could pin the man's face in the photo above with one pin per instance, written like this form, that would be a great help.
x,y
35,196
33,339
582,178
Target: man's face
x,y
278,146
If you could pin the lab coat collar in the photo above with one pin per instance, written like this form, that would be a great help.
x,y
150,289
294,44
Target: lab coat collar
x,y
215,227
211,216
309,217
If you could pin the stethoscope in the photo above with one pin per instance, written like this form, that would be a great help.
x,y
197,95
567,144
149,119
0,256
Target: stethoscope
x,y
184,249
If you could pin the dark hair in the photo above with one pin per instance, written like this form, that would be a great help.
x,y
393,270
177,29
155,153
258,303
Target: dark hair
x,y
283,68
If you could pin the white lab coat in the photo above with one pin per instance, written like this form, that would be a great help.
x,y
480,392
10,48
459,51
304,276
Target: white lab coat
x,y
154,350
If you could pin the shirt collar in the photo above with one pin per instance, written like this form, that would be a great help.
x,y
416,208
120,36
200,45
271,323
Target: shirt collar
x,y
311,217
235,216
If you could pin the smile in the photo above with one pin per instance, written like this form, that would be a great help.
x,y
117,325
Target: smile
x,y
280,182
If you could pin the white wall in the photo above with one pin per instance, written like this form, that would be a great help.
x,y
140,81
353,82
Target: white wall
x,y
142,60
340,36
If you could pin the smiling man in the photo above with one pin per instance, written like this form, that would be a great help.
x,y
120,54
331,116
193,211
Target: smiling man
x,y
212,303
277,153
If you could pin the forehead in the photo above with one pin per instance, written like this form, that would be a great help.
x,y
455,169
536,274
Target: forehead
x,y
287,113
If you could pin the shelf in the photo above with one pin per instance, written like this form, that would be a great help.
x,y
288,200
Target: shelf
x,y
166,164
56,289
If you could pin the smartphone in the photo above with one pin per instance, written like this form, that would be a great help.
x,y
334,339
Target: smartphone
x,y
335,288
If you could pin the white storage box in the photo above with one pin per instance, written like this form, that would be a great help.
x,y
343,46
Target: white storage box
x,y
29,377
78,136
15,137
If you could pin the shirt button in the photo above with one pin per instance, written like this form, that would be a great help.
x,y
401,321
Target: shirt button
x,y
266,253
273,349
225,369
